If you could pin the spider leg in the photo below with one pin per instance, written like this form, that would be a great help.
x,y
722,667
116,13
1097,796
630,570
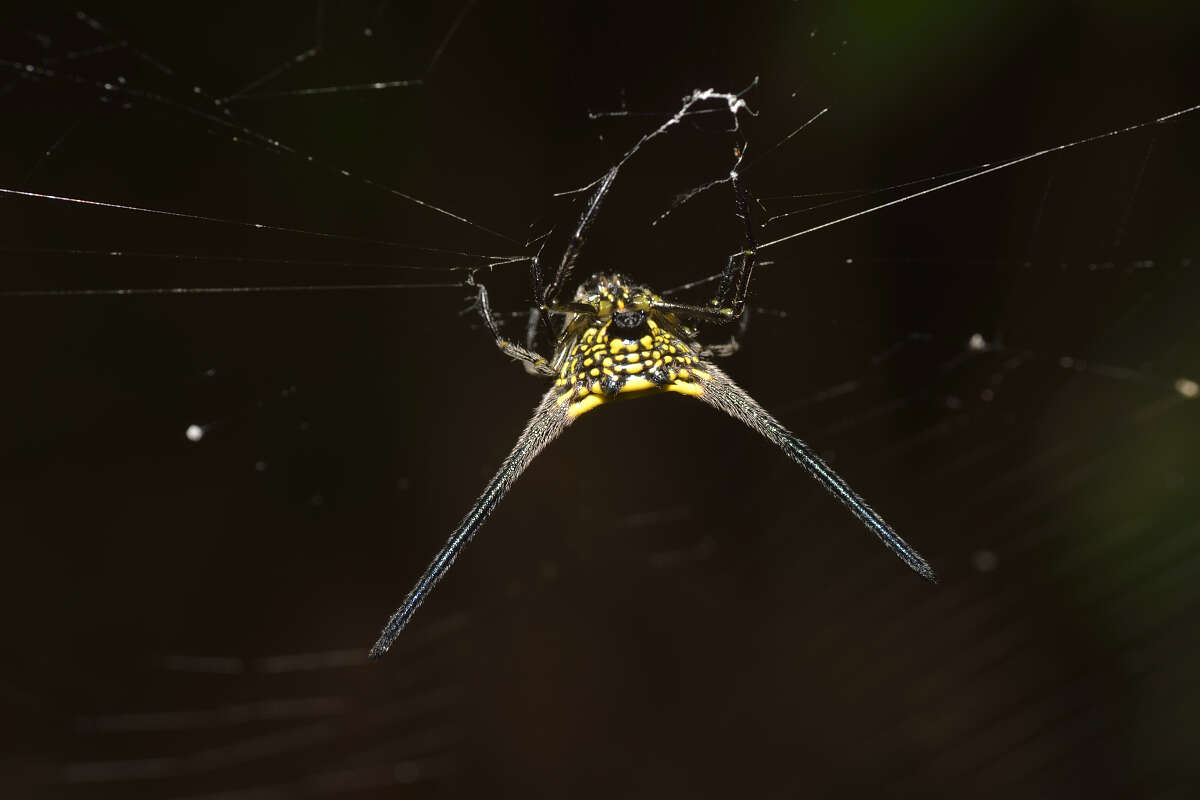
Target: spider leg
x,y
729,303
535,364
735,280
700,313
546,295
531,328
547,422
734,344
722,393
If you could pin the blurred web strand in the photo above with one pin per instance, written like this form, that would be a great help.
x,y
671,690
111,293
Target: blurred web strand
x,y
305,737
341,781
221,716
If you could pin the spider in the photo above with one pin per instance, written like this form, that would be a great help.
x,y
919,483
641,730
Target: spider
x,y
618,339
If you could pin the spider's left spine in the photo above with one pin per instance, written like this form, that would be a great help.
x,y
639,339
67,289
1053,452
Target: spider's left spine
x,y
547,422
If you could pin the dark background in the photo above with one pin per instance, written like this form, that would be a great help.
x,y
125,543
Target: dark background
x,y
664,606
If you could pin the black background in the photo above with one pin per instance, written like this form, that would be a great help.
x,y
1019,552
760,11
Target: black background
x,y
664,606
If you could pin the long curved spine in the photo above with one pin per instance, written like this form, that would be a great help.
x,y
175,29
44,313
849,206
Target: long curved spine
x,y
547,422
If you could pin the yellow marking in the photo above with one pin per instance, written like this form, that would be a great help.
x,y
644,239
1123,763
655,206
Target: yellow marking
x,y
634,368
685,388
656,355
683,373
583,406
652,324
635,385
646,342
594,371
616,345
703,374
587,362
562,398
608,362
610,373
667,359
620,305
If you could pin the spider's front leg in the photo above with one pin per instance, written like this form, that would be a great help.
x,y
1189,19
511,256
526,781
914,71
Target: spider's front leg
x,y
735,280
534,362
729,303
735,341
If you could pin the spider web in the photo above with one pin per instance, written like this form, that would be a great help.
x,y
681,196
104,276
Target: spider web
x,y
248,396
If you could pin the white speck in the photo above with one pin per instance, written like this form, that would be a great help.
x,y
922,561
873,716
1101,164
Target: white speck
x,y
987,395
977,343
1066,362
194,433
984,560
1188,388
849,260
260,466
368,32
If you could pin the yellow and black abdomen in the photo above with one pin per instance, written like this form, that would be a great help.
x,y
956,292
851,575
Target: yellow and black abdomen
x,y
625,355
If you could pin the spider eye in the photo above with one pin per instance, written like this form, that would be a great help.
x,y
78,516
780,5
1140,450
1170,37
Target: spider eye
x,y
629,322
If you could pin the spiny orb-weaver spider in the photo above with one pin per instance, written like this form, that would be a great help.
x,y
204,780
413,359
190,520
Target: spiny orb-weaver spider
x,y
618,339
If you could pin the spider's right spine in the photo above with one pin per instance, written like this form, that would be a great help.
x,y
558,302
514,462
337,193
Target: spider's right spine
x,y
722,393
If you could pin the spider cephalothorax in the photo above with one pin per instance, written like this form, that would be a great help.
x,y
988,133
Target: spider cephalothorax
x,y
627,347
617,339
